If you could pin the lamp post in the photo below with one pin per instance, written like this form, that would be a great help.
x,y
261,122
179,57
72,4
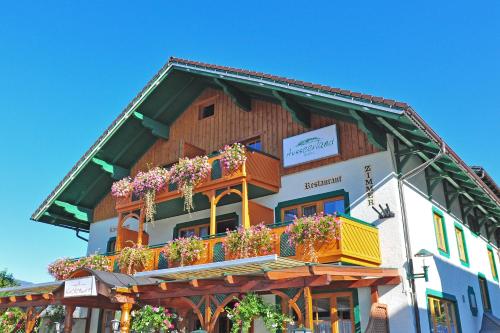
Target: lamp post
x,y
423,253
115,325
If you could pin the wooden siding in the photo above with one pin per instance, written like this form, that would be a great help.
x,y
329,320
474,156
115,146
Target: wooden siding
x,y
267,120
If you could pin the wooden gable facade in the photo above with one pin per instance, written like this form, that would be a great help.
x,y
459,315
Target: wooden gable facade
x,y
267,121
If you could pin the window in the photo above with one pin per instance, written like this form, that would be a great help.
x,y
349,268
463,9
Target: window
x,y
485,295
203,229
254,144
207,111
462,248
443,316
326,206
333,312
440,229
493,266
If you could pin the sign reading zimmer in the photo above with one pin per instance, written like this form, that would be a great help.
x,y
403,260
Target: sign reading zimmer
x,y
310,146
80,287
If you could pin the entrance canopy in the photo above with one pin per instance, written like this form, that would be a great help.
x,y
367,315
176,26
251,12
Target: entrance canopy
x,y
260,274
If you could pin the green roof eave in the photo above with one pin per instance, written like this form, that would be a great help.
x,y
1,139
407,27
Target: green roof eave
x,y
369,115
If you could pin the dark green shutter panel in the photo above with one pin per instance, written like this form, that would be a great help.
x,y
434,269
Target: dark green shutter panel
x,y
216,170
116,267
286,249
162,262
172,187
218,252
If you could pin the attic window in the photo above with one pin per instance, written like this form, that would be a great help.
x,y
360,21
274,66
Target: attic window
x,y
207,111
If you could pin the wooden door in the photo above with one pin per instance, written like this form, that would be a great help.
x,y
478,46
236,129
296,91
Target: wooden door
x,y
333,313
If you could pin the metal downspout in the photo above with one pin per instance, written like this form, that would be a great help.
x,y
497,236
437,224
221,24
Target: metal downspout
x,y
406,231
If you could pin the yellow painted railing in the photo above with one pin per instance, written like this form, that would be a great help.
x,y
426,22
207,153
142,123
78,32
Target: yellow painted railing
x,y
358,245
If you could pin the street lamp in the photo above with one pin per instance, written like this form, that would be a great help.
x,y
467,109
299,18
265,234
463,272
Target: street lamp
x,y
115,325
423,253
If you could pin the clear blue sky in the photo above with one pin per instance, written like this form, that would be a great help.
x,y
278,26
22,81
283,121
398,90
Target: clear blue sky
x,y
68,68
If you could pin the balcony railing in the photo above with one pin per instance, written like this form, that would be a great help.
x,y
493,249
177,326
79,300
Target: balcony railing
x,y
358,245
261,171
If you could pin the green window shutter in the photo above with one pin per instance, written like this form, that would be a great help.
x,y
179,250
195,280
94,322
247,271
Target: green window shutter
x,y
116,267
172,187
162,261
286,249
216,170
219,254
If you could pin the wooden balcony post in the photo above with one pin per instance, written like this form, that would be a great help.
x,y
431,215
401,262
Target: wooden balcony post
x,y
125,318
141,227
118,241
309,310
68,319
244,205
213,213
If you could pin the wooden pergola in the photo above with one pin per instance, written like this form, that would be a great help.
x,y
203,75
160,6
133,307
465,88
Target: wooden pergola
x,y
207,290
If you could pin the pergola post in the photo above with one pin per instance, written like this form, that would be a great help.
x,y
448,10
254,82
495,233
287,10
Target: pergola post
x,y
125,318
309,309
68,319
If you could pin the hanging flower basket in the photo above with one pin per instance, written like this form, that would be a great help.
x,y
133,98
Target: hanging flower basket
x,y
252,306
252,242
188,174
134,259
312,231
233,157
61,269
184,251
146,185
153,319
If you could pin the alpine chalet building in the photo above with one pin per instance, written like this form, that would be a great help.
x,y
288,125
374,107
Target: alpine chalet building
x,y
417,248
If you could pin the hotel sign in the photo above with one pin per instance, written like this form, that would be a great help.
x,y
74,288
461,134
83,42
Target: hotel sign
x,y
80,287
310,146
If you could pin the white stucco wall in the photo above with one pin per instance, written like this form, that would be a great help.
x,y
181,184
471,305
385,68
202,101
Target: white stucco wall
x,y
448,275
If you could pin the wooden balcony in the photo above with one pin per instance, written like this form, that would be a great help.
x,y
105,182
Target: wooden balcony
x,y
358,245
260,171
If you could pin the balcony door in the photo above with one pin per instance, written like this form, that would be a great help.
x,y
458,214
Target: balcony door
x,y
333,313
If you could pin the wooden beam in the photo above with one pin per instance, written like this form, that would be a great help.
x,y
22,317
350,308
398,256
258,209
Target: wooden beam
x,y
239,98
299,113
229,279
375,135
116,172
157,129
79,212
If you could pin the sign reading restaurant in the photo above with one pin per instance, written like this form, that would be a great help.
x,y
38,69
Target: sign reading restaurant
x,y
310,146
80,287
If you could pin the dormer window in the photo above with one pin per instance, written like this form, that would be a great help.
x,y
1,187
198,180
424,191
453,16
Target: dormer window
x,y
207,111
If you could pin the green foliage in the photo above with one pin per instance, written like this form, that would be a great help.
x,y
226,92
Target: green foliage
x,y
252,306
55,314
7,280
12,320
150,318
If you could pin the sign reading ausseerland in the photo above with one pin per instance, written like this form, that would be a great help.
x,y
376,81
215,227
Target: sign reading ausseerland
x,y
310,146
